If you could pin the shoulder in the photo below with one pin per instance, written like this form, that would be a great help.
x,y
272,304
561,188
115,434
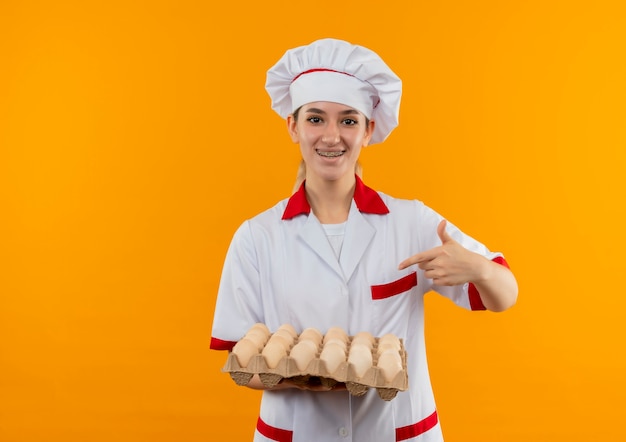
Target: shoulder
x,y
270,215
412,218
266,220
403,206
255,230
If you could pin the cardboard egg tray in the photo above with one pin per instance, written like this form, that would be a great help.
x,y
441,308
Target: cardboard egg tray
x,y
317,374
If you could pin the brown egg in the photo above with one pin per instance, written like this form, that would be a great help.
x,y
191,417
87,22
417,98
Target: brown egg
x,y
387,345
336,341
391,338
257,336
360,357
311,334
244,350
364,337
365,334
273,353
390,364
303,353
333,354
286,333
282,339
362,340
289,329
261,327
336,333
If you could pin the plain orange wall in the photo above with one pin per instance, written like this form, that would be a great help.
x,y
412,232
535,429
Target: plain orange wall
x,y
136,136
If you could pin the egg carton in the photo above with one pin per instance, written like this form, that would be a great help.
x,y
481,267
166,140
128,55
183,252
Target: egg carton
x,y
316,373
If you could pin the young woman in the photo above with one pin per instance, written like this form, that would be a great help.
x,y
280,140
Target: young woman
x,y
338,253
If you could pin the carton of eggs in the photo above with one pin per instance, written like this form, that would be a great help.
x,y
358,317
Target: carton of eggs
x,y
361,361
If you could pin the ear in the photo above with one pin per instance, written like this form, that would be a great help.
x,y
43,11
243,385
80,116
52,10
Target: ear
x,y
369,131
292,128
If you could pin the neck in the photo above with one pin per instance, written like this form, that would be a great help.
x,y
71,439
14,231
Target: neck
x,y
330,200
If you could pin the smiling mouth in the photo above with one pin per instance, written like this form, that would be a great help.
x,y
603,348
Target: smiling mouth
x,y
331,154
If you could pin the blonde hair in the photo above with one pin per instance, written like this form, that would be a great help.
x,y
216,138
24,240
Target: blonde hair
x,y
301,175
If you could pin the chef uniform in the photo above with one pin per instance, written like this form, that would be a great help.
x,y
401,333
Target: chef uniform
x,y
284,267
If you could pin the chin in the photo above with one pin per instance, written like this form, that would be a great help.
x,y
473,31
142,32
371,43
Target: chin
x,y
336,176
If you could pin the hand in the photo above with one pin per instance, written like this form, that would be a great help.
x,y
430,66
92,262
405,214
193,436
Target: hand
x,y
448,264
311,386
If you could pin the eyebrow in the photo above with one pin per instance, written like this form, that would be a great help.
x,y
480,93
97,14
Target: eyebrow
x,y
315,110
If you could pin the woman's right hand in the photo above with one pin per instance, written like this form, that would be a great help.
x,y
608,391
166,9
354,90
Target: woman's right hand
x,y
287,383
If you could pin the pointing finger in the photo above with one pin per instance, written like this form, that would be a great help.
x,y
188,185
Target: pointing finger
x,y
419,258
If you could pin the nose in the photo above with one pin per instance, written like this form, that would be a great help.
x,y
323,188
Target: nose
x,y
331,135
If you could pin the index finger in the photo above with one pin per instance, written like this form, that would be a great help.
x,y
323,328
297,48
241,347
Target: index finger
x,y
428,255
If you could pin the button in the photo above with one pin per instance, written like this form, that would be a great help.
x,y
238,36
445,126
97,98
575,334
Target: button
x,y
343,432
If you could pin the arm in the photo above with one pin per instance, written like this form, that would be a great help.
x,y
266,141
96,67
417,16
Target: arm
x,y
452,264
496,285
238,303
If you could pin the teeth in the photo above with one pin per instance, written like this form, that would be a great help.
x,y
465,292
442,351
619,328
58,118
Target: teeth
x,y
330,154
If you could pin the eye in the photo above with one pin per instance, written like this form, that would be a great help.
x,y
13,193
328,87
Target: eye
x,y
314,120
350,122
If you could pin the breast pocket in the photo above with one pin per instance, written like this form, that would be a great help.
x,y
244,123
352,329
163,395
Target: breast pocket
x,y
394,288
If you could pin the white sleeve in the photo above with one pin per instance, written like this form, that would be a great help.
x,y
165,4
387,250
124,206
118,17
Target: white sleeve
x,y
238,305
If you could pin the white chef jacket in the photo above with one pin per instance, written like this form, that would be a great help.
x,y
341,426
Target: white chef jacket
x,y
280,268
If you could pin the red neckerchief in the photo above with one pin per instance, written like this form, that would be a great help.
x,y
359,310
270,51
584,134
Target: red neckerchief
x,y
367,201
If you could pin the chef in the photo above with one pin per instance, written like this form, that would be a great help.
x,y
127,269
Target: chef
x,y
339,254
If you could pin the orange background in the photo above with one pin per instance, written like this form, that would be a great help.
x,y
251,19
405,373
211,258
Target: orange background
x,y
136,136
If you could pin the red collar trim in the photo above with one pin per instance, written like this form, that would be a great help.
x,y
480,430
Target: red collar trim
x,y
310,71
367,201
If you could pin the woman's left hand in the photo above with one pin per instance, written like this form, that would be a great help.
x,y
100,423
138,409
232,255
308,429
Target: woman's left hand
x,y
450,263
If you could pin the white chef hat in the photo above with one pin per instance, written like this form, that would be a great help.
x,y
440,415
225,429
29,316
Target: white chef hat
x,y
337,71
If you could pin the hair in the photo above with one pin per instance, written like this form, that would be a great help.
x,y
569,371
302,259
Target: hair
x,y
301,175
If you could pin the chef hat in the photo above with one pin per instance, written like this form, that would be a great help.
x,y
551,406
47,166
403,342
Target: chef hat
x,y
337,71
